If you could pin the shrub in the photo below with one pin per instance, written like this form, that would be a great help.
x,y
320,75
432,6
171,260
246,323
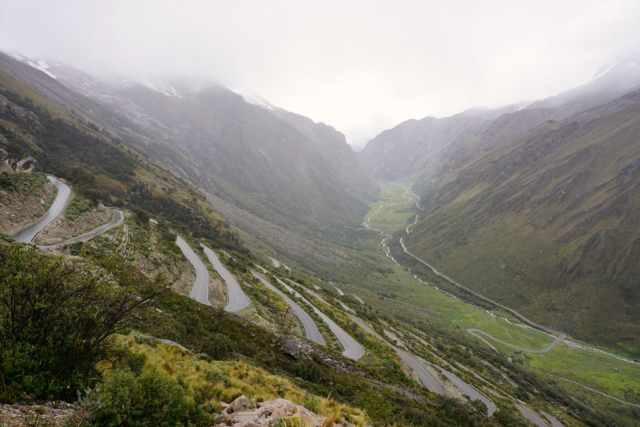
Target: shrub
x,y
56,321
152,399
308,371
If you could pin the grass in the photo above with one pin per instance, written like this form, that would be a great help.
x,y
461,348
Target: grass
x,y
23,182
591,368
461,314
395,207
232,379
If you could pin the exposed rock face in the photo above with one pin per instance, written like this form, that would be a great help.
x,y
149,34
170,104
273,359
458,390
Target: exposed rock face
x,y
290,347
238,415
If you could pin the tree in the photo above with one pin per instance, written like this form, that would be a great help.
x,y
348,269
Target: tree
x,y
56,320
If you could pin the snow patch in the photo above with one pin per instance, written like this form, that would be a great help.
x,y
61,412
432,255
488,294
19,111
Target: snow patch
x,y
42,66
163,88
603,72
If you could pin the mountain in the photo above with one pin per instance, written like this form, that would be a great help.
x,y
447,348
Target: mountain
x,y
431,148
415,145
273,165
548,223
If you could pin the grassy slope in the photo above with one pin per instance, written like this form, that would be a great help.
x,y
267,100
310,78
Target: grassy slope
x,y
239,378
591,368
547,224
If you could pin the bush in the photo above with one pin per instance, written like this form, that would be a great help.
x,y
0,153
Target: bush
x,y
152,399
131,360
308,371
56,320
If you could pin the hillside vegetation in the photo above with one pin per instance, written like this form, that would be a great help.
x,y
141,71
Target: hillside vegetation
x,y
549,224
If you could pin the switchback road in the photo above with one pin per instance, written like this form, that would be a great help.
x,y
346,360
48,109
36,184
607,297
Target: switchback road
x,y
475,332
116,220
237,298
200,291
311,330
57,207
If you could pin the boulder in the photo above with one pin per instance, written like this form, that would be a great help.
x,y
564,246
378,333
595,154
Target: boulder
x,y
240,404
290,346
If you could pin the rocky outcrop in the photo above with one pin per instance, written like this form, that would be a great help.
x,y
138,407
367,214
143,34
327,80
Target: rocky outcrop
x,y
240,414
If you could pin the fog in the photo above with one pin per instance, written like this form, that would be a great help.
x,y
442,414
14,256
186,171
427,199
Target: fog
x,y
360,66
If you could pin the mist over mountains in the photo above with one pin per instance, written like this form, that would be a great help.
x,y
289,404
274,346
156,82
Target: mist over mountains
x,y
264,165
534,207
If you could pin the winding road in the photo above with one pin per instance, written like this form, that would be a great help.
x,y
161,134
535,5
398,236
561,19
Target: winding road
x,y
237,298
57,207
475,333
532,416
200,291
311,330
427,380
352,348
423,375
116,220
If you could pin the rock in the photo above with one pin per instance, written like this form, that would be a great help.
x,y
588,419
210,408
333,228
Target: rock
x,y
224,419
290,346
240,404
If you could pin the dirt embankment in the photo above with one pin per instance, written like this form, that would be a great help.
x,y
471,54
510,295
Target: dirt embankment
x,y
62,229
20,208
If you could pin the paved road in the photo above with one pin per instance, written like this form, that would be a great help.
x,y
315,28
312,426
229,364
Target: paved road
x,y
117,219
352,348
532,416
479,295
394,338
277,263
423,375
311,330
593,390
200,291
553,420
237,298
474,332
470,391
57,207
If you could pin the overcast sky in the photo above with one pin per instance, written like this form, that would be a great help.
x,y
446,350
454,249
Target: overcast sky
x,y
360,66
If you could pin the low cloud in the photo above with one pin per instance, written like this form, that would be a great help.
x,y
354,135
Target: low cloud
x,y
360,66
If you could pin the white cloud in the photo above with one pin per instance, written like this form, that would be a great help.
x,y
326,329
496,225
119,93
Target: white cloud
x,y
361,66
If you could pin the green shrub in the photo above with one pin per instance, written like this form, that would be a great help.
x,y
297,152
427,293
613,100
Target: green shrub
x,y
131,360
308,371
7,238
143,339
56,320
152,399
77,207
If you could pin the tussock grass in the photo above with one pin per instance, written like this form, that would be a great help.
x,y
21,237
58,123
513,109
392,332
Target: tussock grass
x,y
229,379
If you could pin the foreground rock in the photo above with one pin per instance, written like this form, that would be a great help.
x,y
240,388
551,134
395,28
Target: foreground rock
x,y
238,414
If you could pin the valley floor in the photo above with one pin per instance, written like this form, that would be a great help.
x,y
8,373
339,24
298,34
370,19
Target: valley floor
x,y
599,369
